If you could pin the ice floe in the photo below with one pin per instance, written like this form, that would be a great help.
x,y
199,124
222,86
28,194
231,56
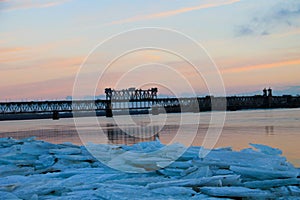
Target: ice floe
x,y
31,169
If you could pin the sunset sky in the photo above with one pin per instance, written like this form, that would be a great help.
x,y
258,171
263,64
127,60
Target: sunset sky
x,y
254,43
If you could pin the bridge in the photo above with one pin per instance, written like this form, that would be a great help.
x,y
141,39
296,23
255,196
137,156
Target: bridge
x,y
145,101
128,99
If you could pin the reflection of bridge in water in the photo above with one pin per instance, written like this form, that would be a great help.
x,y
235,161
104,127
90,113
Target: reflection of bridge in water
x,y
134,101
115,135
130,135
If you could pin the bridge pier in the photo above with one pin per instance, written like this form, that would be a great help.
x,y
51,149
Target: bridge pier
x,y
155,110
108,110
55,115
268,98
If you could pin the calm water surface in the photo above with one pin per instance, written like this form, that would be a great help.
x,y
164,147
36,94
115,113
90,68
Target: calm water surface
x,y
278,128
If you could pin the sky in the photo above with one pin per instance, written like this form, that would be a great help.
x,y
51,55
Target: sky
x,y
45,44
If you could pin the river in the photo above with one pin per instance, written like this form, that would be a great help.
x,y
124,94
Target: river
x,y
279,128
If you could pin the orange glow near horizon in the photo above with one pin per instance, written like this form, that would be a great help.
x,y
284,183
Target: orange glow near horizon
x,y
263,66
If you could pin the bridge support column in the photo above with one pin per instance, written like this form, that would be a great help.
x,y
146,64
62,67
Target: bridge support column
x,y
108,110
55,115
270,98
155,110
195,106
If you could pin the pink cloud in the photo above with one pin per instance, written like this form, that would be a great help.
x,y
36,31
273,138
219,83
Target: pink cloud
x,y
26,4
172,12
50,89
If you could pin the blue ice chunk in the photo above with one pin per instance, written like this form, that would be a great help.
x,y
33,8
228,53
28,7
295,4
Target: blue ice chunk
x,y
266,149
144,147
8,195
173,190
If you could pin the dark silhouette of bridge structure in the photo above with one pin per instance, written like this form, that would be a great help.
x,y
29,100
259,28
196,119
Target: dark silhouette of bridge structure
x,y
134,101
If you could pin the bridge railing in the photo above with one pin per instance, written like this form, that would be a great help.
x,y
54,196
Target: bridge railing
x,y
50,106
